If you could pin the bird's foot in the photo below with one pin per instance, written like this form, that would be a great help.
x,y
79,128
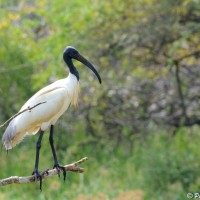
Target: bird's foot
x,y
38,176
60,168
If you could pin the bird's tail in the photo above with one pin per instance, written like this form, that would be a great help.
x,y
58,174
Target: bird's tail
x,y
9,135
11,138
14,136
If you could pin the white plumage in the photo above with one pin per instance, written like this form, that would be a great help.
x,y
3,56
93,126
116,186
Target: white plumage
x,y
58,96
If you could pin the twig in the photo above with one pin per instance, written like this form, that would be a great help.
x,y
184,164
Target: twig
x,y
19,113
45,174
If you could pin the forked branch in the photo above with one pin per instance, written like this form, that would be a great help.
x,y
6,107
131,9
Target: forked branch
x,y
45,174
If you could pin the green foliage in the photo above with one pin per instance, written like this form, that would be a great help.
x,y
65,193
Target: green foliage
x,y
169,166
162,167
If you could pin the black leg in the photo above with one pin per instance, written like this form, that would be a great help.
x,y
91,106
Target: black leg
x,y
51,141
56,165
38,146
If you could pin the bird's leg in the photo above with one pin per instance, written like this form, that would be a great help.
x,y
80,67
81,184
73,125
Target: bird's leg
x,y
56,165
35,171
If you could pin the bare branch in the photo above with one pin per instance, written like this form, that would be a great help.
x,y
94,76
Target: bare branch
x,y
195,53
180,91
19,113
45,174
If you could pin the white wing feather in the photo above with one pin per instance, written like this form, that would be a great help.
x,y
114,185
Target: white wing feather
x,y
57,96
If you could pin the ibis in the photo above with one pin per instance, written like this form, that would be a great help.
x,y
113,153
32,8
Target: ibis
x,y
52,100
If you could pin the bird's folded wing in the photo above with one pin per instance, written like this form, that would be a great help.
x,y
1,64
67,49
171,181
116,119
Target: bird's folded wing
x,y
43,115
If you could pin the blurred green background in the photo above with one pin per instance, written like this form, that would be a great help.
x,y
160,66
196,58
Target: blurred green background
x,y
140,128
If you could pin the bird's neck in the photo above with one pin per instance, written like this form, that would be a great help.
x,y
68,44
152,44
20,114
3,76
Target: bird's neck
x,y
73,88
71,67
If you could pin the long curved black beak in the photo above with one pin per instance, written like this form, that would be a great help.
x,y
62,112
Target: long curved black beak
x,y
81,59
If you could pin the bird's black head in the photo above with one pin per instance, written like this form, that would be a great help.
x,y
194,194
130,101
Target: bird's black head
x,y
69,53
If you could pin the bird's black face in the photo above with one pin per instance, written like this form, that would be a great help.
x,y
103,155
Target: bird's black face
x,y
71,52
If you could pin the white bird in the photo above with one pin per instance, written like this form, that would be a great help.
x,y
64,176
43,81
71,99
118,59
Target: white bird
x,y
57,97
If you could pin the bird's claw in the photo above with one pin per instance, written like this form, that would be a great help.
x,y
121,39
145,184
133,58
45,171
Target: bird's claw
x,y
38,176
60,168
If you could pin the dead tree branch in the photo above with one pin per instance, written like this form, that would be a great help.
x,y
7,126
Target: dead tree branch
x,y
19,113
45,174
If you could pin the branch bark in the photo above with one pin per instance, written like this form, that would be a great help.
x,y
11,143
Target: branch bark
x,y
180,92
45,174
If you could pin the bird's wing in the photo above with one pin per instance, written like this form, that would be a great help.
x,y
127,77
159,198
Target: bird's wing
x,y
56,102
42,94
